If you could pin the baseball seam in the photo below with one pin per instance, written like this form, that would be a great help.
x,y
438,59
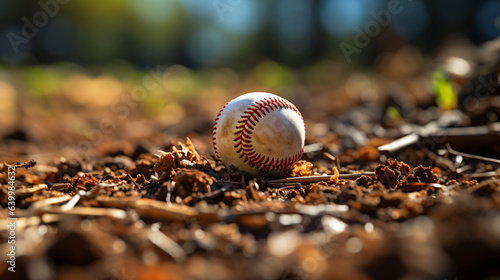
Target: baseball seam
x,y
243,135
214,140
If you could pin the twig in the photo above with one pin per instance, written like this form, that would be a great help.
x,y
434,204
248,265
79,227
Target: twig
x,y
133,182
295,185
457,153
170,187
488,174
488,133
150,208
166,244
22,193
322,209
333,158
71,203
400,143
83,211
329,156
4,167
284,208
313,148
49,201
462,169
314,179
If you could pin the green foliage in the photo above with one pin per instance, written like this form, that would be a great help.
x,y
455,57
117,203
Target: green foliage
x,y
273,75
394,114
446,97
41,81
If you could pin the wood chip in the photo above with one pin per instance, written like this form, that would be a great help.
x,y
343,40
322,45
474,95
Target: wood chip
x,y
84,211
158,209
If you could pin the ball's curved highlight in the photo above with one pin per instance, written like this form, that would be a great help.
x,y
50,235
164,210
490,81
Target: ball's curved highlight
x,y
259,131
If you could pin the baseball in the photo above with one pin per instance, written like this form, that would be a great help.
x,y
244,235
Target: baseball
x,y
259,131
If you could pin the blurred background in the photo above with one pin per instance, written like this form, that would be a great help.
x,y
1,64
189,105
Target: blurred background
x,y
229,33
84,77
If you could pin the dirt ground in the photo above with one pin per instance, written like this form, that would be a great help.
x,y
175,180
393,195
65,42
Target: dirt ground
x,y
412,192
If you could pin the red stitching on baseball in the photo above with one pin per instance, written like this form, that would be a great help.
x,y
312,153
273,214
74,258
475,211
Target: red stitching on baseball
x,y
214,140
244,131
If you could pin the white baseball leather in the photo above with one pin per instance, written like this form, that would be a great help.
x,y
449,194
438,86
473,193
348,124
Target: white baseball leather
x,y
259,131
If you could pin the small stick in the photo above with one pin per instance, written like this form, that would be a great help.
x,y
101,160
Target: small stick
x,y
488,133
170,187
289,187
312,148
463,169
330,156
314,179
400,143
133,182
71,203
333,158
4,167
48,201
165,243
487,174
487,159
83,211
21,193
